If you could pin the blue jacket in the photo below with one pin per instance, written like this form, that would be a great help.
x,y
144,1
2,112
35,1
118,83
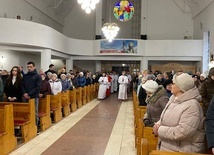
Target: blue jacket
x,y
81,81
66,85
31,84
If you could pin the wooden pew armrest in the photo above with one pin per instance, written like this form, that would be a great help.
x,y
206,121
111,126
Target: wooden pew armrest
x,y
41,114
2,133
54,109
21,122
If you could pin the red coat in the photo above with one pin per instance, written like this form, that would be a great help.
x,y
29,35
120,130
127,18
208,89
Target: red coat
x,y
108,90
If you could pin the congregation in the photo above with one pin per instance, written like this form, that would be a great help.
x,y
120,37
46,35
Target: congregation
x,y
179,107
178,104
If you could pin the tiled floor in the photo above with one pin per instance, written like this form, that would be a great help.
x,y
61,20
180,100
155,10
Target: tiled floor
x,y
121,141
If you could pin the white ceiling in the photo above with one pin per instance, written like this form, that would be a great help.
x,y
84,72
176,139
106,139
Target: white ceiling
x,y
193,6
61,7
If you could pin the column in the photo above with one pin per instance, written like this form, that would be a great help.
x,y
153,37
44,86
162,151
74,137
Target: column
x,y
69,64
98,22
45,59
97,65
143,30
143,64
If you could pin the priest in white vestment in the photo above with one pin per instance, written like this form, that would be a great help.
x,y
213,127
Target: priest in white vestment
x,y
103,80
123,81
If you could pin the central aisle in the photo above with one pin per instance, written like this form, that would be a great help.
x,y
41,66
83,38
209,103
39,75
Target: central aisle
x,y
91,134
99,128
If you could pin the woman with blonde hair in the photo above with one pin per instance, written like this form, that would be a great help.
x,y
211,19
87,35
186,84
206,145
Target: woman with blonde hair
x,y
56,85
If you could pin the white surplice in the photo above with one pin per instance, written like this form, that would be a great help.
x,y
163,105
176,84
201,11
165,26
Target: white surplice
x,y
102,88
123,81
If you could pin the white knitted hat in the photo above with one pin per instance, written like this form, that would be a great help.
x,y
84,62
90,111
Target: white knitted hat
x,y
184,82
204,75
150,86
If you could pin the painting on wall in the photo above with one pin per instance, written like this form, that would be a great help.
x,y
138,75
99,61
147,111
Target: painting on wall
x,y
118,46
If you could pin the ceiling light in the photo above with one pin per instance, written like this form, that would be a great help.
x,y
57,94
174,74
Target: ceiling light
x,y
110,31
88,5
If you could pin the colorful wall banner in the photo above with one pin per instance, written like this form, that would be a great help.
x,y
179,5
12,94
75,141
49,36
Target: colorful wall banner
x,y
118,46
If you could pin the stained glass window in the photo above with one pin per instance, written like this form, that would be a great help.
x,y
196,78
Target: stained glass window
x,y
123,10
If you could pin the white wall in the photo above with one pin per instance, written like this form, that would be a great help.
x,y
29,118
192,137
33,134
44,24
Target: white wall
x,y
183,48
166,21
162,48
16,58
12,8
80,25
32,36
204,22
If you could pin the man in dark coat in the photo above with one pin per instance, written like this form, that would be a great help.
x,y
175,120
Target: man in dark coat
x,y
51,69
31,85
207,90
210,126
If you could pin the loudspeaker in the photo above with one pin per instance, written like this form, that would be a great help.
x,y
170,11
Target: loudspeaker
x,y
143,37
98,37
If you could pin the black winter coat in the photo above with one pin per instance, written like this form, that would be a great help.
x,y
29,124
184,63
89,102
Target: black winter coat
x,y
142,97
207,91
31,84
210,125
13,90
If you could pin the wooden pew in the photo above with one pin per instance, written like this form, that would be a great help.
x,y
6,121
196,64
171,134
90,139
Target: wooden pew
x,y
149,141
88,93
25,118
65,103
138,136
92,94
97,89
84,95
79,97
8,141
55,106
154,152
44,112
73,100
